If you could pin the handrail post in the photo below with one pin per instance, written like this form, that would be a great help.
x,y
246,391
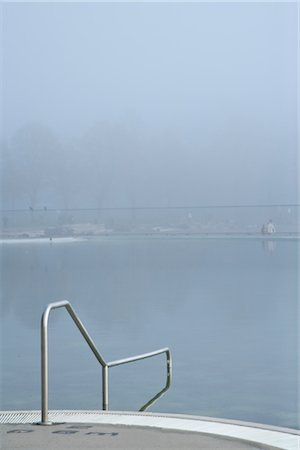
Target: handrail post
x,y
44,357
105,388
169,364
44,368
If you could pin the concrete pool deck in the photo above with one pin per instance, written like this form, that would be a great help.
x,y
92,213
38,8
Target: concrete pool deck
x,y
130,430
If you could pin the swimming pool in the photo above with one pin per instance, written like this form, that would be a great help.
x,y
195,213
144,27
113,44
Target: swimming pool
x,y
227,308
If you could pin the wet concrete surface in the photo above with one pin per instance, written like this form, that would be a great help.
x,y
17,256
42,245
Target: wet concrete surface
x,y
99,436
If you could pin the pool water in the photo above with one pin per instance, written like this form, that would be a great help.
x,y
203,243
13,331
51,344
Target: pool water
x,y
227,308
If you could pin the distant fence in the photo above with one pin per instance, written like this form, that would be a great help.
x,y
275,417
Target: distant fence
x,y
197,219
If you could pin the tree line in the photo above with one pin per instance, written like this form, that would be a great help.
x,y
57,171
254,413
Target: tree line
x,y
108,165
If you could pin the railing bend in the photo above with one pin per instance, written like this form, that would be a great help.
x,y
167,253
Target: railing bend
x,y
99,357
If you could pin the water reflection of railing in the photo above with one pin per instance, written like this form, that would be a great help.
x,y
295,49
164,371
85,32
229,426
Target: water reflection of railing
x,y
99,357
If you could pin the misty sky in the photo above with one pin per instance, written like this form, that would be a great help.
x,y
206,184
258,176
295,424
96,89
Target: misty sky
x,y
217,80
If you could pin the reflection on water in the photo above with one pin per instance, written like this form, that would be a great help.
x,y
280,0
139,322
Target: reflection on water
x,y
227,310
269,246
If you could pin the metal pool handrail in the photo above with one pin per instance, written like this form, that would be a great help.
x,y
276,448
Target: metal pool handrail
x,y
99,357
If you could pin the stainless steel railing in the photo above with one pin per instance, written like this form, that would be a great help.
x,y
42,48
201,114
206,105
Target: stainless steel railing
x,y
99,357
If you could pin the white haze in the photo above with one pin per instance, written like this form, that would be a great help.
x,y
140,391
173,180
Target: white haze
x,y
127,104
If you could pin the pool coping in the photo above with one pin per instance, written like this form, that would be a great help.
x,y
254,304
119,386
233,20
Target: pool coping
x,y
266,435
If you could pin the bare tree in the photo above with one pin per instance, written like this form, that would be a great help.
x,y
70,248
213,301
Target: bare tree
x,y
33,150
100,151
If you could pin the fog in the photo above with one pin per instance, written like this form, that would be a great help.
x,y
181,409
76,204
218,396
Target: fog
x,y
149,160
149,104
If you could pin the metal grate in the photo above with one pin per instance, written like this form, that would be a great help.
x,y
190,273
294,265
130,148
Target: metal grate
x,y
14,417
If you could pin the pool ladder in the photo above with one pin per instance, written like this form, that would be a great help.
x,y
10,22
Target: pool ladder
x,y
105,365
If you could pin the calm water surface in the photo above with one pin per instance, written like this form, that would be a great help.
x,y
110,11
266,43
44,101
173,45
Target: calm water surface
x,y
227,308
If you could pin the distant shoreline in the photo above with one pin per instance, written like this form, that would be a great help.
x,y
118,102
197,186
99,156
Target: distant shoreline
x,y
17,238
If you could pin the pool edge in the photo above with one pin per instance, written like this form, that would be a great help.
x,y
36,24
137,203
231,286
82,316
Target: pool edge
x,y
272,436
